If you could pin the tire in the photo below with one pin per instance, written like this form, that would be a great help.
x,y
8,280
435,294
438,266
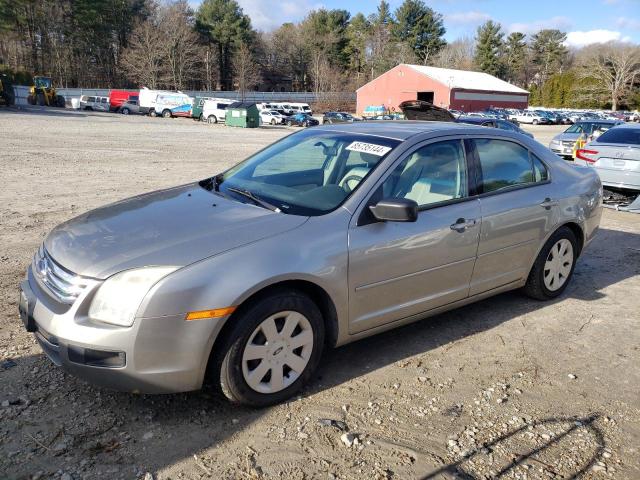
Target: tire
x,y
539,284
212,119
289,123
152,113
278,309
166,114
125,111
31,100
40,100
273,121
534,122
60,103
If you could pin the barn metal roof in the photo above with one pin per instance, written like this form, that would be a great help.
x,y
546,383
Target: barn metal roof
x,y
467,79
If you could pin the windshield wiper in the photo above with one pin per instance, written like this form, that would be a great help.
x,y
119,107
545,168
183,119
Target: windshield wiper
x,y
256,200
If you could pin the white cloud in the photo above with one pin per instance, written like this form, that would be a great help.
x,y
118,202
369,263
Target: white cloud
x,y
466,18
560,23
269,14
582,39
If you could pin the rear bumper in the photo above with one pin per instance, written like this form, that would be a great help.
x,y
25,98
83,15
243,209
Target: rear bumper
x,y
154,355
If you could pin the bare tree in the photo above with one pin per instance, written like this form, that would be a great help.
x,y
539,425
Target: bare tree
x,y
611,70
143,59
245,70
180,42
457,54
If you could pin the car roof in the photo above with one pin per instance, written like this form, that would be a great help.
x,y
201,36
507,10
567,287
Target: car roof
x,y
474,120
401,129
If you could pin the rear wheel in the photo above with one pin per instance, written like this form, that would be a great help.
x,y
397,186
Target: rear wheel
x,y
273,349
152,113
289,123
60,101
212,119
273,121
554,266
41,99
535,122
166,113
125,111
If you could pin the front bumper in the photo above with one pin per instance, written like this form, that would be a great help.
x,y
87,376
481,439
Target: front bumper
x,y
155,355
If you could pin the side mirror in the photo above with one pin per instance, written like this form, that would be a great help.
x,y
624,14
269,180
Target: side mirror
x,y
395,210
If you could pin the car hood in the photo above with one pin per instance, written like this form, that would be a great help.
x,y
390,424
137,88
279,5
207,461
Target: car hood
x,y
177,226
567,137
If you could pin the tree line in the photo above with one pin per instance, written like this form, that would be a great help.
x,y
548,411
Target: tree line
x,y
127,43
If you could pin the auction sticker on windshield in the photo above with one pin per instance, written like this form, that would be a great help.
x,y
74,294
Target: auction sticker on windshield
x,y
371,148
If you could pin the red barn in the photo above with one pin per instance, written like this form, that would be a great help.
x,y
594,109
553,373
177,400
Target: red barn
x,y
454,89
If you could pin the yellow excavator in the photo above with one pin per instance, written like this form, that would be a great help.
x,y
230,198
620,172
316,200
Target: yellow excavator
x,y
7,96
42,92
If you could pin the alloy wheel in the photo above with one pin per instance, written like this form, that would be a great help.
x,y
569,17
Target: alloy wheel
x,y
277,352
557,267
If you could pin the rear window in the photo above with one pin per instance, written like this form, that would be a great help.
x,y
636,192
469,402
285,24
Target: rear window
x,y
627,136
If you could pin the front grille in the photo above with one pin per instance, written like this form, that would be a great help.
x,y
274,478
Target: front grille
x,y
568,143
63,284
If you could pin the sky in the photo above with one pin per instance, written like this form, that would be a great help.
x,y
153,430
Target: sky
x,y
584,21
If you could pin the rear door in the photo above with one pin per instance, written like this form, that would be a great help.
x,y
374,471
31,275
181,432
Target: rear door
x,y
398,270
518,207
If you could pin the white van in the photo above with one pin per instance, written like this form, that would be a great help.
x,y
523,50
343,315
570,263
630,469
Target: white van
x,y
173,105
301,108
147,100
214,110
91,102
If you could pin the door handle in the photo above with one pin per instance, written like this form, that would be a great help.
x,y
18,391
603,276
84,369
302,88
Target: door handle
x,y
548,203
462,224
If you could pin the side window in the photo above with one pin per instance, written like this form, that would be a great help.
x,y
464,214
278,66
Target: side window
x,y
434,173
504,164
540,173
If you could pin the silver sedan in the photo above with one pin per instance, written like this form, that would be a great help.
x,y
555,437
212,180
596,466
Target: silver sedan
x,y
615,155
330,235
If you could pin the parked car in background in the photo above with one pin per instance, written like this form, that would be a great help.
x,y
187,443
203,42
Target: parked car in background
x,y
330,235
175,104
147,100
301,120
214,111
198,104
118,97
563,143
90,102
131,106
615,155
494,123
531,118
338,117
272,117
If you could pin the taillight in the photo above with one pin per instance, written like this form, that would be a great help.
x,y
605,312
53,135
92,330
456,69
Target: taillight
x,y
584,154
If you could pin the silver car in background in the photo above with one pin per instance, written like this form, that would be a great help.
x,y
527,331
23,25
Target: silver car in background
x,y
562,144
615,155
327,236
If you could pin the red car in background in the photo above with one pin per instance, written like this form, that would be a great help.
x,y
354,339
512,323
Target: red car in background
x,y
118,97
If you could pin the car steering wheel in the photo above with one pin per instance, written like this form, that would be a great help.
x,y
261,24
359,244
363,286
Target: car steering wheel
x,y
345,182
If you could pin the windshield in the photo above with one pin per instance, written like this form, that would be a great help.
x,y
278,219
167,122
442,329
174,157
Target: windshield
x,y
42,82
587,127
309,173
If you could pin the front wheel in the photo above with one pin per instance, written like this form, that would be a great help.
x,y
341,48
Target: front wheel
x,y
166,113
273,121
273,350
554,266
212,119
289,123
535,122
125,111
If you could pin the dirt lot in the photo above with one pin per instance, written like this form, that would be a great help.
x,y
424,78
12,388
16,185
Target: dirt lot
x,y
506,387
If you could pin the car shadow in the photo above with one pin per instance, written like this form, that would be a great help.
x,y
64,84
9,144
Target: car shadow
x,y
201,420
44,111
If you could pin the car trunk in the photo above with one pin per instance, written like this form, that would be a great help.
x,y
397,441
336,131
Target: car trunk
x,y
617,164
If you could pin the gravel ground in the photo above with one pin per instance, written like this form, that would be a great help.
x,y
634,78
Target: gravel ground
x,y
508,387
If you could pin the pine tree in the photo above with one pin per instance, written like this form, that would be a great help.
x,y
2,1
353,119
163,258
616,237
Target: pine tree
x,y
515,53
489,48
421,28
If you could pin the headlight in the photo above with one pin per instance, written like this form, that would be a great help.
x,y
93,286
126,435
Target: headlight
x,y
555,142
119,297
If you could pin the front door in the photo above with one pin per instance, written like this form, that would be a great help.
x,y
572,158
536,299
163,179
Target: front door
x,y
397,270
